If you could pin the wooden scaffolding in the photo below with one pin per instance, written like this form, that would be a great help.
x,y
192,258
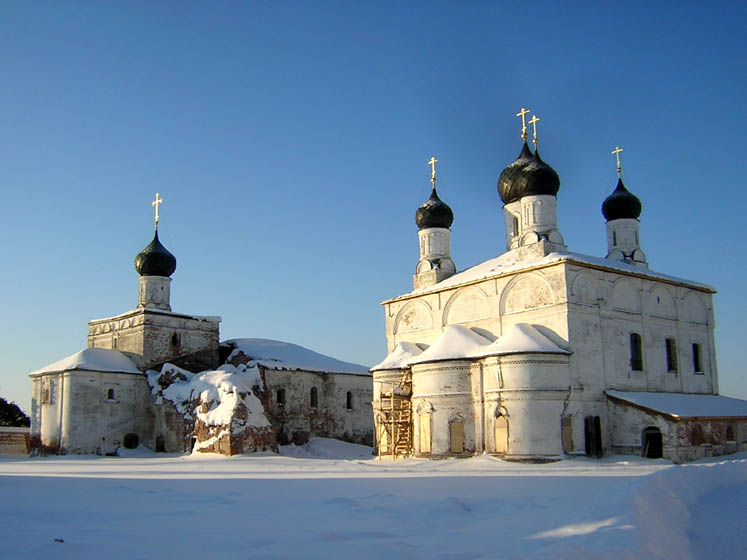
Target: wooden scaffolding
x,y
393,413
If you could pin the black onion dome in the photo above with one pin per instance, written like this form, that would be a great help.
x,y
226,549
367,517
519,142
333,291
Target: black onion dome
x,y
434,212
537,178
155,260
621,204
507,181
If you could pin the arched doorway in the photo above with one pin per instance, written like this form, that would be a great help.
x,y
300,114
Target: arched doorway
x,y
651,443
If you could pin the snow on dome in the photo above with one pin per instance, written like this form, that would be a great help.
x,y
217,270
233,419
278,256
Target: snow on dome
x,y
455,343
522,338
682,405
93,359
400,356
274,354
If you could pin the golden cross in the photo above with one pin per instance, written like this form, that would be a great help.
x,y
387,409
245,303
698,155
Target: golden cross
x,y
535,119
155,203
617,151
523,122
432,163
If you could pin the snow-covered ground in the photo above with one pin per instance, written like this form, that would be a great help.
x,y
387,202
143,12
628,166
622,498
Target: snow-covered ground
x,y
333,500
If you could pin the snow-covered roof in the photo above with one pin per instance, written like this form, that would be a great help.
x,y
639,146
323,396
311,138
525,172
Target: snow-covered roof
x,y
459,342
522,338
92,359
509,262
680,405
402,354
151,310
456,342
224,388
274,354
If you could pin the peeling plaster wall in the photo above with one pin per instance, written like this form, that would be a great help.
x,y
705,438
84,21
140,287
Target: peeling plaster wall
x,y
296,421
628,423
152,338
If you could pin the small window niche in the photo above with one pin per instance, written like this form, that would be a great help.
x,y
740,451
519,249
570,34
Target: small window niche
x,y
314,398
671,348
636,352
110,394
280,397
349,401
698,359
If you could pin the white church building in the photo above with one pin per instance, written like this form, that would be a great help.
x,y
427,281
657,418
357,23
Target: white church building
x,y
162,379
542,353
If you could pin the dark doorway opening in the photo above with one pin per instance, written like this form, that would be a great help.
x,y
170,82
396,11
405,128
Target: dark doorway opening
x,y
593,436
131,441
160,444
651,443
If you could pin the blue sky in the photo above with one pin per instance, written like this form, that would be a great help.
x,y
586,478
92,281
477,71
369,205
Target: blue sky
x,y
289,141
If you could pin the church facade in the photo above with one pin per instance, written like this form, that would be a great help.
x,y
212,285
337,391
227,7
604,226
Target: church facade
x,y
541,352
161,379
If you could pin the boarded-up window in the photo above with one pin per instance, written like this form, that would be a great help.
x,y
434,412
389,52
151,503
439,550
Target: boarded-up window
x,y
425,433
456,437
566,433
696,435
383,441
501,434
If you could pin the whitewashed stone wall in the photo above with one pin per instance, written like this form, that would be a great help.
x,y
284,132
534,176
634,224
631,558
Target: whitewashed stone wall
x,y
592,311
80,418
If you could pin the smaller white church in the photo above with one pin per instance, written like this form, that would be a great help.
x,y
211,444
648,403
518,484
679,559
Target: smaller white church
x,y
163,379
541,353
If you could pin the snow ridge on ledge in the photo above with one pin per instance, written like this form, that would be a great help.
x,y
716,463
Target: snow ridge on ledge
x,y
275,354
509,262
92,359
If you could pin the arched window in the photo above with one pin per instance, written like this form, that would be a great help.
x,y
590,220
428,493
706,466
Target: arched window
x,y
349,401
636,352
281,396
175,339
110,394
314,398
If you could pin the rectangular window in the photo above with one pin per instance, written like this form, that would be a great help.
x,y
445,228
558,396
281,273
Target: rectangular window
x,y
281,396
671,345
697,359
636,352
